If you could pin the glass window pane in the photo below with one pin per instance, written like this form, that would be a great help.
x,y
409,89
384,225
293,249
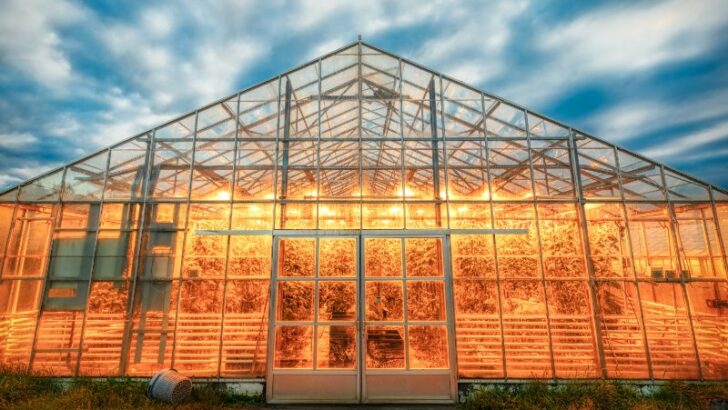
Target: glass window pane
x,y
104,330
478,330
383,256
383,216
337,301
250,256
427,347
699,245
212,174
337,257
552,169
384,301
709,305
19,304
297,257
199,323
470,215
385,347
425,301
652,241
84,181
336,347
294,347
561,246
43,189
517,253
127,170
252,217
295,301
423,256
170,176
623,343
296,215
472,256
597,169
340,215
245,329
608,241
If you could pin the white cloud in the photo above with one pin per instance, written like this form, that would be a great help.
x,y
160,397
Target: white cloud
x,y
14,140
30,42
617,42
687,143
631,119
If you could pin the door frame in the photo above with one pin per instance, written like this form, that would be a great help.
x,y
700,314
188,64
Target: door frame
x,y
360,369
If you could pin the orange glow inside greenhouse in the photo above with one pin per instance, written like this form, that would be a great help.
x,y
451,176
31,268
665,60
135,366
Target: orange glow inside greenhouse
x,y
364,228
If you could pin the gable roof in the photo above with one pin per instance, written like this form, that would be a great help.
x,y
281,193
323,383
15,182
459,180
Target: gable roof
x,y
325,94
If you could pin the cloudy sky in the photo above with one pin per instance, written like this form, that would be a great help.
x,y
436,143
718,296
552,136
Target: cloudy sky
x,y
649,75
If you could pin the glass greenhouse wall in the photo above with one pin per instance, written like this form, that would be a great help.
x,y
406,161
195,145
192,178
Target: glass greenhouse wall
x,y
363,213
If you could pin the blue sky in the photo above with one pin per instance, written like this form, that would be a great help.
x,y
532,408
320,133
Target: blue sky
x,y
649,75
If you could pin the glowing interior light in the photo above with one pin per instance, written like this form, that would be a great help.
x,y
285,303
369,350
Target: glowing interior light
x,y
395,210
223,196
443,194
420,212
408,192
486,194
268,196
312,194
462,209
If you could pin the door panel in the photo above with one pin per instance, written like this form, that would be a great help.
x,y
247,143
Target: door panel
x,y
392,317
406,354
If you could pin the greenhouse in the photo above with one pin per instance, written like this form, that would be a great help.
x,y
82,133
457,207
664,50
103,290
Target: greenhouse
x,y
361,228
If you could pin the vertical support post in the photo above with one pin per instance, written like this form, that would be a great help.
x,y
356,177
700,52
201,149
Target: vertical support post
x,y
435,153
576,178
284,154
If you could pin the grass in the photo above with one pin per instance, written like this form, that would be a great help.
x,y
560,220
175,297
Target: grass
x,y
597,396
22,390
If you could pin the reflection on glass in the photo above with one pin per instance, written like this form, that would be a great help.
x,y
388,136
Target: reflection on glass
x,y
428,347
337,257
384,301
385,347
297,257
294,347
336,347
337,301
383,257
295,301
423,256
425,300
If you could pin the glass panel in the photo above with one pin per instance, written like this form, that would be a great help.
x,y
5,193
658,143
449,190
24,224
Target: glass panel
x,y
561,247
385,347
652,241
9,196
258,116
427,347
543,128
525,333
337,301
181,128
218,121
552,169
155,305
336,347
472,256
84,181
19,303
466,170
45,189
509,170
668,331
205,254
477,328
608,241
339,216
699,245
295,301
199,323
506,121
683,188
297,257
383,256
250,256
255,170
337,257
29,241
598,169
571,324
384,301
212,174
294,347
57,342
623,343
517,253
426,215
423,256
127,169
245,328
471,215
170,176
104,330
296,216
383,216
709,305
252,217
641,179
425,301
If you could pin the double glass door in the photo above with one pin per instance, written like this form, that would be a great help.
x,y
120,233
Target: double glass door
x,y
361,318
